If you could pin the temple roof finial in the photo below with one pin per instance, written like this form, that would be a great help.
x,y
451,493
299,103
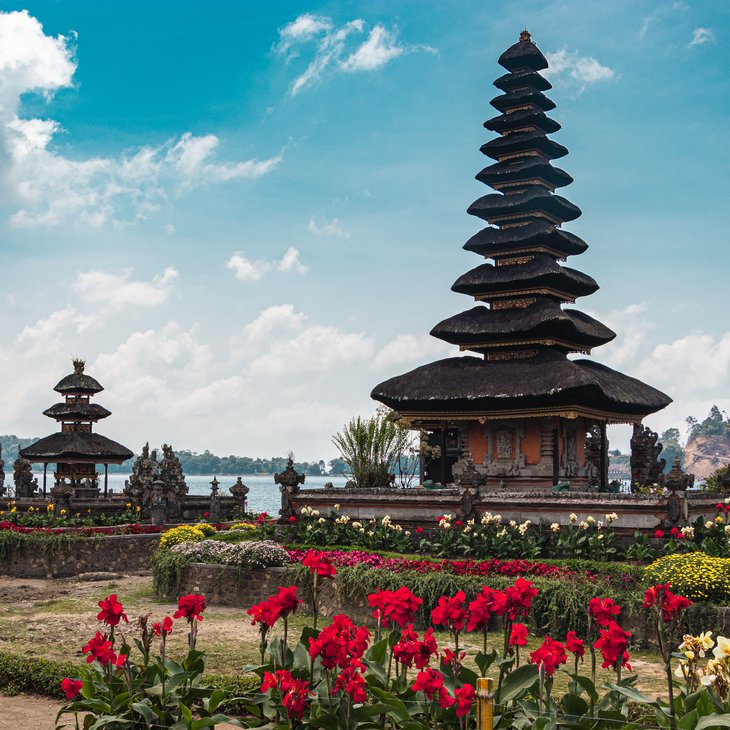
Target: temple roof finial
x,y
79,365
525,36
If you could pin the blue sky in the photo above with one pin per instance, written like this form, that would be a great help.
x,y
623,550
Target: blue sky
x,y
246,215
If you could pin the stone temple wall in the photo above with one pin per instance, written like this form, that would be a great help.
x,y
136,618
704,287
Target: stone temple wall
x,y
108,554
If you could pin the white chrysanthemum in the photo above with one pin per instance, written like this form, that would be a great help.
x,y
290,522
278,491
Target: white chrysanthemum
x,y
555,527
590,520
573,518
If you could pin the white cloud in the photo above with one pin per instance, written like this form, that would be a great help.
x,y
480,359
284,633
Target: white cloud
x,y
290,261
119,290
580,71
169,229
701,35
49,189
327,228
47,334
380,48
410,349
331,51
247,269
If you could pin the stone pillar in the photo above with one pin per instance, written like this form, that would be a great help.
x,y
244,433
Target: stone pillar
x,y
239,491
158,507
215,502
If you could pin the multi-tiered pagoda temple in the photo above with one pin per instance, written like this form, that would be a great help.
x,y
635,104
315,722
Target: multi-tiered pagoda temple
x,y
76,450
520,409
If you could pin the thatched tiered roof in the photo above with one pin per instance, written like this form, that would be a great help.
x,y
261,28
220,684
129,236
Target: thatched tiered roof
x,y
523,332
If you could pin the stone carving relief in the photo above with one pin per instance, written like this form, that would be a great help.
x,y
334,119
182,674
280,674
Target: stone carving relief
x,y
646,466
25,484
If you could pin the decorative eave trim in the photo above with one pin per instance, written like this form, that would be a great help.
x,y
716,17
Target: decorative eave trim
x,y
543,291
547,342
571,412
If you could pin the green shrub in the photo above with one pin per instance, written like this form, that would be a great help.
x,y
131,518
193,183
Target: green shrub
x,y
32,675
697,576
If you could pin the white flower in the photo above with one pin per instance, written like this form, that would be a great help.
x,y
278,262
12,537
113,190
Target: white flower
x,y
370,533
611,517
407,533
709,524
573,518
688,532
583,525
467,530
727,528
321,520
502,533
590,520
555,527
708,679
336,508
512,523
361,530
722,649
314,512
470,523
386,520
309,527
356,525
398,528
487,518
600,536
497,519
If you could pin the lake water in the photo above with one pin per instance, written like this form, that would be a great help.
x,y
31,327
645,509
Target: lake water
x,y
263,493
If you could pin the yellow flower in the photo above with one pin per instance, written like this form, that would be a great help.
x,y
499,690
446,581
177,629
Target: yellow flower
x,y
15,509
50,507
573,518
128,505
63,512
138,508
719,520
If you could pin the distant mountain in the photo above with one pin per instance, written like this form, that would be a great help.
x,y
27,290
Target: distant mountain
x,y
704,454
10,446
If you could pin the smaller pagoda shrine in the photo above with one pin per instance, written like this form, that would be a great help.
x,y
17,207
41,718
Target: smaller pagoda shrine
x,y
77,450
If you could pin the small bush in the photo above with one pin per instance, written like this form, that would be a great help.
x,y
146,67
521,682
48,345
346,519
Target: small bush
x,y
32,675
697,576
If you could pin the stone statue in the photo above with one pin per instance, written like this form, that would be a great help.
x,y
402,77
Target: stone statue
x,y
288,481
214,511
677,480
138,489
2,473
158,504
240,491
25,484
173,482
471,477
646,466
593,456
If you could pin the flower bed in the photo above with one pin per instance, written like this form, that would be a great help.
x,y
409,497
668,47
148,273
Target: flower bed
x,y
352,558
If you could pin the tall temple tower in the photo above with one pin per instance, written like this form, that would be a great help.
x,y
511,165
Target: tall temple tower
x,y
521,410
76,450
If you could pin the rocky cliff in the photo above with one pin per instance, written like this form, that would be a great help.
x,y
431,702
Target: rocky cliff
x,y
704,454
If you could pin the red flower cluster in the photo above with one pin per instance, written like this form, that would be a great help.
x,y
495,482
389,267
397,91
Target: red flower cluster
x,y
263,517
663,599
190,607
612,644
163,628
518,635
269,611
319,563
603,610
450,612
71,687
101,649
464,700
488,603
410,650
112,612
659,534
351,682
519,598
339,643
431,682
550,654
574,644
399,606
295,693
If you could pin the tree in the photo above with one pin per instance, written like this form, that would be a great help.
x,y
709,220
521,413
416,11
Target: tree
x,y
371,447
672,448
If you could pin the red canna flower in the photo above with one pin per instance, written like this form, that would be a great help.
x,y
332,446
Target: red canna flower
x,y
450,612
295,693
99,648
163,628
262,518
319,563
603,610
293,519
287,600
518,635
519,598
409,650
486,604
71,687
464,700
451,659
418,530
112,612
351,682
612,644
574,644
550,654
399,606
676,532
659,534
429,681
339,643
663,599
190,607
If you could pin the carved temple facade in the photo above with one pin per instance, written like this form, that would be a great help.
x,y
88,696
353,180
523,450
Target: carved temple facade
x,y
516,408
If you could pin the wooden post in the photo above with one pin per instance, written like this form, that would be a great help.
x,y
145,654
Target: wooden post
x,y
442,463
485,708
604,456
106,479
556,457
45,471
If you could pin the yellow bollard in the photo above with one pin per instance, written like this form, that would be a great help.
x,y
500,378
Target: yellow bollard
x,y
485,709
